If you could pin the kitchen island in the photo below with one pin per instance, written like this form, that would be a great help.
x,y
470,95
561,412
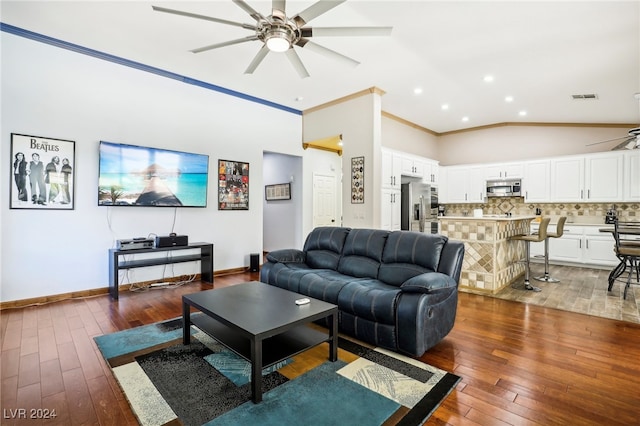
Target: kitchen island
x,y
491,257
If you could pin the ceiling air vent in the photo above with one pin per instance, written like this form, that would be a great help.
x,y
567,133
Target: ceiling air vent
x,y
585,96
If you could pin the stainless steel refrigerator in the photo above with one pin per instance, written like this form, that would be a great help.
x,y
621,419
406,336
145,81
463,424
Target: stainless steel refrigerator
x,y
419,207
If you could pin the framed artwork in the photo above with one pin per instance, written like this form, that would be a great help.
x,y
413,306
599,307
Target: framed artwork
x,y
280,191
233,185
357,180
42,173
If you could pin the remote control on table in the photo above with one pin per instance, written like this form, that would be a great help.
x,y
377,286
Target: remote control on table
x,y
302,301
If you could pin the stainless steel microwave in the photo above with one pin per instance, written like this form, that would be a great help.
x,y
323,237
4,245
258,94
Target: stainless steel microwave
x,y
504,188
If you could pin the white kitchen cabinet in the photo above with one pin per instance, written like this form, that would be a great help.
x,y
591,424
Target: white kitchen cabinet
x,y
536,184
603,177
477,185
504,170
567,248
391,167
599,249
390,209
632,175
464,185
580,245
589,178
411,166
431,172
567,179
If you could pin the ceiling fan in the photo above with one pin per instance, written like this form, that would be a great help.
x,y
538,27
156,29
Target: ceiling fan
x,y
279,33
631,141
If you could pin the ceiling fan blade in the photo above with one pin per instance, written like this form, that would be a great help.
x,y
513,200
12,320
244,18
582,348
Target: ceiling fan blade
x,y
251,11
345,31
315,10
611,140
206,18
257,60
632,142
297,63
279,5
225,43
309,45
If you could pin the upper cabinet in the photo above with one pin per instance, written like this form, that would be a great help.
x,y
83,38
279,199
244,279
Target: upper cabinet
x,y
391,167
504,170
589,178
411,166
536,183
463,184
431,172
632,175
603,177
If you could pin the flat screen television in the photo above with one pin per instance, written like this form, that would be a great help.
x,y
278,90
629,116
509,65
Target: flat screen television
x,y
132,175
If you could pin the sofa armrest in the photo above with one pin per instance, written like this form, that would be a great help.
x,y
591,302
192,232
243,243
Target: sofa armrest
x,y
429,282
286,256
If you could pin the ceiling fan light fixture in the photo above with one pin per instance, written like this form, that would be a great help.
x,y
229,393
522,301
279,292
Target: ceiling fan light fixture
x,y
278,40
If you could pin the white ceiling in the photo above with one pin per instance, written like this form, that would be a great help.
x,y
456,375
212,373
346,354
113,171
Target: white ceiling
x,y
540,53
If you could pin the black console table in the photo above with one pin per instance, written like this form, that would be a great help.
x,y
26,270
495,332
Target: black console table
x,y
205,257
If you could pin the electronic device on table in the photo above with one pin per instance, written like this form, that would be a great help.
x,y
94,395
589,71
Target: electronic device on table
x,y
135,243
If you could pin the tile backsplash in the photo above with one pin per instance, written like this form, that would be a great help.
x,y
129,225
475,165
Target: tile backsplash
x,y
576,212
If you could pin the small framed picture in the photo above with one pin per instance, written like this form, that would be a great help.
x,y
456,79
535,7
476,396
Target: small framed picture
x,y
42,173
280,191
357,180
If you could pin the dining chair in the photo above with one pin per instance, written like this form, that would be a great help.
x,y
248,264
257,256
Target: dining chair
x,y
627,246
541,235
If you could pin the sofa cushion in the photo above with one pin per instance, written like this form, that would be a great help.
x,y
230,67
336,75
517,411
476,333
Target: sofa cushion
x,y
362,253
324,285
407,254
370,299
286,256
288,275
324,246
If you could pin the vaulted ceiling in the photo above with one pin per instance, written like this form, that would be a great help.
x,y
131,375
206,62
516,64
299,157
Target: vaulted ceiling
x,y
473,63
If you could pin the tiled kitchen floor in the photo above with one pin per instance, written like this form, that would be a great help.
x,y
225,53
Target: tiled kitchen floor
x,y
582,290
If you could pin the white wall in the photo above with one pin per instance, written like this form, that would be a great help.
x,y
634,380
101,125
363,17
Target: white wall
x,y
282,218
403,137
522,142
358,121
52,92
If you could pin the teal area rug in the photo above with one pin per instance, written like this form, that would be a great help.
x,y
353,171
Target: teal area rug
x,y
203,383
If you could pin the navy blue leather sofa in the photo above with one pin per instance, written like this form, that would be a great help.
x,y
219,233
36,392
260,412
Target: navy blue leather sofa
x,y
394,289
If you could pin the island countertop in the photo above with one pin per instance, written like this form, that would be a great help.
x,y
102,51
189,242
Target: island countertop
x,y
492,217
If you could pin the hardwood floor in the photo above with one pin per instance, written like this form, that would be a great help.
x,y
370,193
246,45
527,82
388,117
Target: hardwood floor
x,y
520,364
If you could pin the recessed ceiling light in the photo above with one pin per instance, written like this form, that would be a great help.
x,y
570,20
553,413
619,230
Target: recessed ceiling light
x,y
444,107
508,98
522,113
465,119
417,90
488,78
299,98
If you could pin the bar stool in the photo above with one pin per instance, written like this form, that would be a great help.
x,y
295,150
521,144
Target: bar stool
x,y
557,234
528,239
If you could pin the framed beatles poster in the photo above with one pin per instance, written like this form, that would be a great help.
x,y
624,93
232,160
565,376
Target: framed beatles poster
x,y
233,185
42,173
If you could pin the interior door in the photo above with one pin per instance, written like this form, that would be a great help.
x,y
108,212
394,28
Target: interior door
x,y
324,200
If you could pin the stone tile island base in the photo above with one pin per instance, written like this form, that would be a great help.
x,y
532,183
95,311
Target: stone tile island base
x,y
490,258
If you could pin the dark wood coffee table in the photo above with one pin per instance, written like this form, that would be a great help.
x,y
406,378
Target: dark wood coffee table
x,y
261,323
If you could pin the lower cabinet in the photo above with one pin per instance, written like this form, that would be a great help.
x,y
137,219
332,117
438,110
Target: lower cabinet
x,y
580,245
390,214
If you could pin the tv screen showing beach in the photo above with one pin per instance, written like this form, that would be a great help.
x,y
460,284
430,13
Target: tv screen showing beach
x,y
133,175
